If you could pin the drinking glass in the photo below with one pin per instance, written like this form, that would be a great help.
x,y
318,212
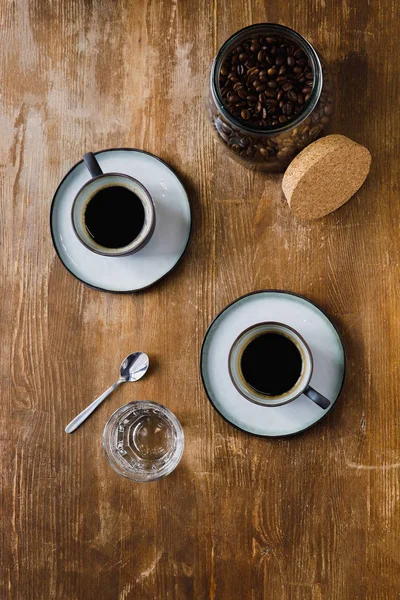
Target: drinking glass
x,y
143,441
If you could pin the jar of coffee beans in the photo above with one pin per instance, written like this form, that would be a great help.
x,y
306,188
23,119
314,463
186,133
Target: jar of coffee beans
x,y
269,96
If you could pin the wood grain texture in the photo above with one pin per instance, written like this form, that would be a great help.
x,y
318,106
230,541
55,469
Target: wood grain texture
x,y
315,517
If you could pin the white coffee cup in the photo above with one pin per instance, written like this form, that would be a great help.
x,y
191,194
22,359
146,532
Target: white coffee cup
x,y
301,386
99,182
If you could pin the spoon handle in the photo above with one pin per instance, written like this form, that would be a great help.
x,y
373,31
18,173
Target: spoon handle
x,y
75,423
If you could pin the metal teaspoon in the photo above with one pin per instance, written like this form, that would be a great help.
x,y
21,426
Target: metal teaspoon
x,y
132,368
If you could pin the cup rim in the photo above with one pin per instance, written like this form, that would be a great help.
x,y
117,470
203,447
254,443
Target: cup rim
x,y
126,250
277,403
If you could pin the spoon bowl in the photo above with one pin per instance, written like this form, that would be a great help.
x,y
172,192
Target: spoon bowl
x,y
134,366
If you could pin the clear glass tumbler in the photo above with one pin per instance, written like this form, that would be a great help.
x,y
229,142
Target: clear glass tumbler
x,y
143,441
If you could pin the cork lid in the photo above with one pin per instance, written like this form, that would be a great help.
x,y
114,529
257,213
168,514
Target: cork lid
x,y
325,175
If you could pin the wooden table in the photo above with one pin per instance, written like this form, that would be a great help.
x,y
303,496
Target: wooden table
x,y
312,517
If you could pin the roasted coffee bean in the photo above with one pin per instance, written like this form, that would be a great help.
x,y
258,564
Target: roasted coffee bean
x,y
287,108
266,82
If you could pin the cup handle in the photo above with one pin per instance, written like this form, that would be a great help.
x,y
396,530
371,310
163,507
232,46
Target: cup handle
x,y
92,165
317,397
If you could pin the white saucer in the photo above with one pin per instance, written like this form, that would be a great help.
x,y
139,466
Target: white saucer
x,y
317,330
160,255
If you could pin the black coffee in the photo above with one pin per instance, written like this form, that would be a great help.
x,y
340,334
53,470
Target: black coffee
x,y
271,364
114,217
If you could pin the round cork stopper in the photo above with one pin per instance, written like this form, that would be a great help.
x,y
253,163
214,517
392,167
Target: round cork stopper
x,y
325,175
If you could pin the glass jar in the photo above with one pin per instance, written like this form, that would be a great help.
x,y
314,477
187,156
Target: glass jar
x,y
268,147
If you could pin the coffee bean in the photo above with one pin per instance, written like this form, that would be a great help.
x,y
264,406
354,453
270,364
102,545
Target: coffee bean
x,y
287,108
255,46
266,82
253,71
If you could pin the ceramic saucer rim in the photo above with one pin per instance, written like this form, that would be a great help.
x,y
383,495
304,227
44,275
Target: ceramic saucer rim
x,y
100,289
326,412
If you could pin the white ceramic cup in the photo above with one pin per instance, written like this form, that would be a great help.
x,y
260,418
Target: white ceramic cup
x,y
98,182
302,385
